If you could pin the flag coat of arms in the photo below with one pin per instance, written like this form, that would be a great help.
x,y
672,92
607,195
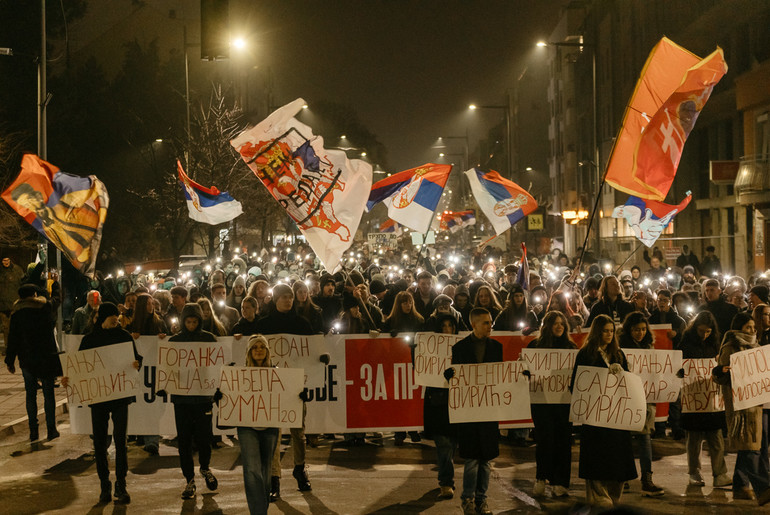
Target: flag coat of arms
x,y
321,190
670,94
649,218
67,209
504,202
412,195
207,205
453,221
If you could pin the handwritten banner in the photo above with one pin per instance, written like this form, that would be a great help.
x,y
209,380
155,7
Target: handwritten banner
x,y
102,374
191,368
750,377
551,371
291,351
433,355
261,397
700,394
657,369
615,401
483,392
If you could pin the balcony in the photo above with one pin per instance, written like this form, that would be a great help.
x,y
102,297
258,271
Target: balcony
x,y
752,185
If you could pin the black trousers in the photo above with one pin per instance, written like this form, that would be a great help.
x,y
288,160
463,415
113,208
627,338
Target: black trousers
x,y
100,418
193,422
553,436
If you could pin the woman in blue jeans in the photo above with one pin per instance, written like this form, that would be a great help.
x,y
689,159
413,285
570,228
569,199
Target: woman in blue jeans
x,y
257,443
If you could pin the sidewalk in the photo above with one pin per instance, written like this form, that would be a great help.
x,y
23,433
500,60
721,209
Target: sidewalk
x,y
13,411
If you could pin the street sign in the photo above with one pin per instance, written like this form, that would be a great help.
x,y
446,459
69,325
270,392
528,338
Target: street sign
x,y
535,222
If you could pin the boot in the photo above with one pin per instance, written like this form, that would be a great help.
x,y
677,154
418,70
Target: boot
x,y
106,495
275,488
650,489
303,483
121,495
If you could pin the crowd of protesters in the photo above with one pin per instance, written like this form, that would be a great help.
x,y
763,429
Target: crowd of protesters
x,y
282,290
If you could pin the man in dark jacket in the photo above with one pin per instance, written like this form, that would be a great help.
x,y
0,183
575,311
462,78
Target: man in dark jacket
x,y
424,295
192,413
610,302
10,280
717,306
31,339
477,440
328,301
666,314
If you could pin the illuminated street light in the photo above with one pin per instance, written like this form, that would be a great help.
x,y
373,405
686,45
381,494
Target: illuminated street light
x,y
472,107
239,43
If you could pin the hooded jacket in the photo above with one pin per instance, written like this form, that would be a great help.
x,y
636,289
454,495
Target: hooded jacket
x,y
192,310
31,338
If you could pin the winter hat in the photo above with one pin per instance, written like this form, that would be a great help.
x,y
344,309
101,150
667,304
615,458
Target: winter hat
x,y
592,283
239,281
106,310
356,277
28,290
761,291
442,299
516,288
282,289
689,269
326,278
377,286
462,290
255,271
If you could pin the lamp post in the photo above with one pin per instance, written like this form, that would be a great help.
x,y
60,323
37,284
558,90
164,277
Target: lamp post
x,y
597,180
507,110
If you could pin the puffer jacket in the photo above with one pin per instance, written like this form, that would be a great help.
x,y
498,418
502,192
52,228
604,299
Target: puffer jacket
x,y
744,427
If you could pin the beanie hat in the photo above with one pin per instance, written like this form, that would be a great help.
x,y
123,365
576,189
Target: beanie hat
x,y
106,310
282,289
761,291
377,286
442,299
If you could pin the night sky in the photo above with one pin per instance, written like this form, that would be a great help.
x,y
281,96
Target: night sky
x,y
408,68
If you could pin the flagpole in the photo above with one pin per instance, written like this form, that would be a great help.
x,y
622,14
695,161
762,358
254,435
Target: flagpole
x,y
638,246
591,218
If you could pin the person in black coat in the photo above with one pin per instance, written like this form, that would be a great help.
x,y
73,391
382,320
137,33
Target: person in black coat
x,y
722,310
477,440
610,302
247,325
436,421
606,455
192,413
328,301
701,340
107,331
666,314
31,339
553,430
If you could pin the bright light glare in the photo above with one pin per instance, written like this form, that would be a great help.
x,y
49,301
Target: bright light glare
x,y
542,44
472,107
239,43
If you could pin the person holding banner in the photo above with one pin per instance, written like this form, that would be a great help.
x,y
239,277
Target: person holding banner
x,y
747,429
636,334
701,340
107,331
477,440
192,413
606,455
553,430
257,443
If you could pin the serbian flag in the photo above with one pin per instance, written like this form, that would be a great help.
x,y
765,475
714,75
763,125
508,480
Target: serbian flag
x,y
522,275
673,89
390,226
453,221
67,209
207,205
321,190
503,201
412,195
649,218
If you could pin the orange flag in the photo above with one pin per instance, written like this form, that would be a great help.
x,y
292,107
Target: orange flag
x,y
673,89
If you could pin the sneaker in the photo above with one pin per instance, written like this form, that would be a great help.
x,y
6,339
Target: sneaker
x,y
539,489
560,491
106,495
211,481
697,480
650,489
722,480
469,508
53,434
121,495
415,437
447,492
746,494
189,490
303,483
275,488
483,508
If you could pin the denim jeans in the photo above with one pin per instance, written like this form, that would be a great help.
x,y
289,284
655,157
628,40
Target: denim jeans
x,y
753,467
49,401
257,454
445,448
193,421
100,418
476,480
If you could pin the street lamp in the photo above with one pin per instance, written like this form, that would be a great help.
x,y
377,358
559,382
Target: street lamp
x,y
507,110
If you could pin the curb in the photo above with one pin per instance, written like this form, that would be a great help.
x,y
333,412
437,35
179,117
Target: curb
x,y
22,424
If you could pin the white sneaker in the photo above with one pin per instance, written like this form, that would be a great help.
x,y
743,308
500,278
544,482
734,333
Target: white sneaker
x,y
539,489
697,480
722,481
560,491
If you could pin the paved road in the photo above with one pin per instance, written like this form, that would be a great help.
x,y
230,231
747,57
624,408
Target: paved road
x,y
60,477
